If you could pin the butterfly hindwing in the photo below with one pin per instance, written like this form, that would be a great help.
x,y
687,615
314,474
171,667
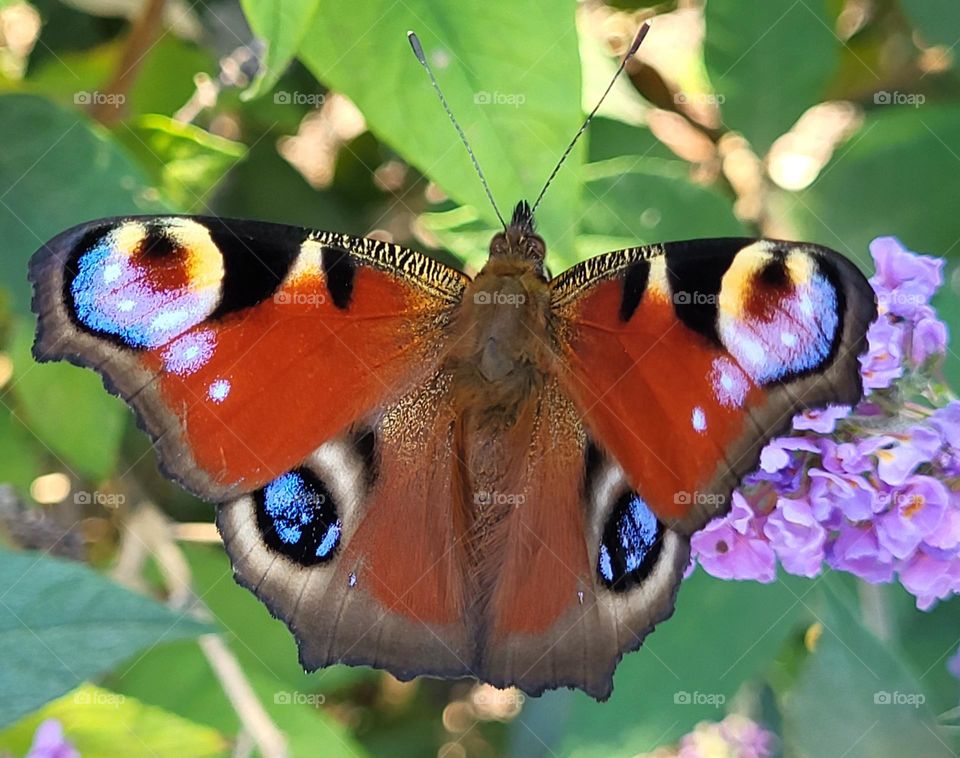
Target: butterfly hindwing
x,y
357,548
684,359
241,345
585,570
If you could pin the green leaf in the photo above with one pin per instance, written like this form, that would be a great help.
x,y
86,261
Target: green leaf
x,y
185,161
283,24
107,725
163,84
856,697
56,170
768,62
195,693
513,79
722,634
20,451
629,202
68,410
937,20
609,138
898,175
62,623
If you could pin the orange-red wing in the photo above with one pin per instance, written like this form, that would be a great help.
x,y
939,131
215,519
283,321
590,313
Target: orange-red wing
x,y
242,346
684,359
359,547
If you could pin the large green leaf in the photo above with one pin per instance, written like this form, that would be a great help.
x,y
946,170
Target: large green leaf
x,y
856,697
68,410
898,175
163,84
185,161
629,201
56,170
195,693
109,725
768,61
512,78
938,21
62,623
282,24
722,634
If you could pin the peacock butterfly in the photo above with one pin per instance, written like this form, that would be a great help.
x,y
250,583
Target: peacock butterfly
x,y
493,477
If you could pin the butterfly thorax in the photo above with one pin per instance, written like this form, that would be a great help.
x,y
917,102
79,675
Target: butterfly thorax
x,y
502,355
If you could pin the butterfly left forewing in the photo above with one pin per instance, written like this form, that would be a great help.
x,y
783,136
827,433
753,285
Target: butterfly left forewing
x,y
241,345
685,359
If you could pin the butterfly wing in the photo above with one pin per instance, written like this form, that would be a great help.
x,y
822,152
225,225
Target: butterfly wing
x,y
291,375
557,615
242,346
685,359
358,548
676,364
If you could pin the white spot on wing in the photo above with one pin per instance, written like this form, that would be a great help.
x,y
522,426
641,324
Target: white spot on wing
x,y
699,420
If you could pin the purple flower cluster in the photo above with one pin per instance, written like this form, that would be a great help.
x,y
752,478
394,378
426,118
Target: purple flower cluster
x,y
873,490
734,736
49,742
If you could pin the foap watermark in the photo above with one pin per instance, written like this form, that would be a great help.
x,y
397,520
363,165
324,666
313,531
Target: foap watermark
x,y
698,98
311,99
716,699
88,696
294,697
516,99
110,500
916,99
113,99
711,499
310,299
500,298
910,699
695,297
492,497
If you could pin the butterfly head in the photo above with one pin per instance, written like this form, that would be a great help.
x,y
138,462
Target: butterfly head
x,y
519,239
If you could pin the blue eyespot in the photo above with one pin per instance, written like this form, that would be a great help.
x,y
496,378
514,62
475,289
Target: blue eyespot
x,y
631,543
298,517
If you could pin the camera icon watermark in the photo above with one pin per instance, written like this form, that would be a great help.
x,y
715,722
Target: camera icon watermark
x,y
89,696
303,299
111,500
709,499
294,697
695,297
699,98
909,699
915,99
112,99
515,99
714,699
492,497
499,298
310,99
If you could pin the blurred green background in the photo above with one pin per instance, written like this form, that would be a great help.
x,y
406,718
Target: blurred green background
x,y
833,121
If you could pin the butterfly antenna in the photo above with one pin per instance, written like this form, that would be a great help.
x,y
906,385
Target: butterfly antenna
x,y
418,51
629,54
